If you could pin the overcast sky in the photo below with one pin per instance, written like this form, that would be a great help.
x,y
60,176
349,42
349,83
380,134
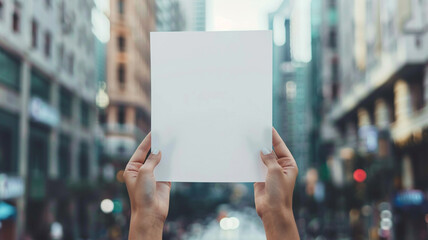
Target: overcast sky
x,y
239,14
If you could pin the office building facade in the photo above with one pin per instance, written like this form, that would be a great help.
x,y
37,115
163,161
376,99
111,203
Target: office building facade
x,y
47,109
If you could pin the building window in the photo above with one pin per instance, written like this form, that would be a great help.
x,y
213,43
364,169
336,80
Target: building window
x,y
121,75
121,115
47,44
8,142
121,6
65,103
40,86
84,161
9,70
71,63
64,156
34,29
60,56
332,39
1,9
84,114
121,43
15,21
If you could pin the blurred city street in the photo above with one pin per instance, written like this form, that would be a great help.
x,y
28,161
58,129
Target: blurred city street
x,y
350,99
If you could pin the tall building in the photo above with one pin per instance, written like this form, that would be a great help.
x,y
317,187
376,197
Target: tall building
x,y
169,16
379,109
126,120
47,115
290,84
194,14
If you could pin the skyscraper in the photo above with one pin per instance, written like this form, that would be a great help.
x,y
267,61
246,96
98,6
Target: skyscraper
x,y
127,118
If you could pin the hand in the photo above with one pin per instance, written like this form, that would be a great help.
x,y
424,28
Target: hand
x,y
149,199
273,198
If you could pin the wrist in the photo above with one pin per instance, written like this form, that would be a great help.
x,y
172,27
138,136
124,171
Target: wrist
x,y
145,225
279,223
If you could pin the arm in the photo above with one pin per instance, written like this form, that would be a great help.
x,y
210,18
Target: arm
x,y
149,199
273,198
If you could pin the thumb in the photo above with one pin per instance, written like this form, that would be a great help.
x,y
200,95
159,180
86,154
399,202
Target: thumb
x,y
269,158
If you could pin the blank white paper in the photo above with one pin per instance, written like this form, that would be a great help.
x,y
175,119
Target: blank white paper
x,y
211,96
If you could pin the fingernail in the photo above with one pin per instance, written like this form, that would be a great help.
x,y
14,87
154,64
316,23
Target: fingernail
x,y
155,151
266,151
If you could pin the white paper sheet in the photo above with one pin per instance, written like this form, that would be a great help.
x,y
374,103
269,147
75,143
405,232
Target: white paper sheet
x,y
211,104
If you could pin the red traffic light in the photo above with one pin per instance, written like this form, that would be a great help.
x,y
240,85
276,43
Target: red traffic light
x,y
360,175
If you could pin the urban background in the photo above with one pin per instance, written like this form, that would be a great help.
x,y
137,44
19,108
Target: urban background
x,y
350,98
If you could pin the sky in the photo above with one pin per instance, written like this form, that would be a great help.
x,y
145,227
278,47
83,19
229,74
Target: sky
x,y
239,14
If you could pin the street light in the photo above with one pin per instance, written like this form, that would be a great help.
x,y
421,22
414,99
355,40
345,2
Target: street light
x,y
107,206
231,223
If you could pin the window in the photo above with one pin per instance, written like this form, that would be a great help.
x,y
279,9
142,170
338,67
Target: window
x,y
40,86
121,6
121,115
332,39
121,75
65,103
121,43
8,142
1,9
84,161
48,3
60,56
64,156
84,114
9,70
47,44
15,21
71,63
34,29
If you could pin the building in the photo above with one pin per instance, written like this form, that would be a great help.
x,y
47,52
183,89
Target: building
x,y
379,106
169,16
126,120
47,111
291,115
194,14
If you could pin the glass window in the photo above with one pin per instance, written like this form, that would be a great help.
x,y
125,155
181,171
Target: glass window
x,y
9,70
38,151
47,44
121,6
65,103
15,21
40,86
121,75
84,114
121,115
71,64
1,9
8,142
64,156
121,43
84,161
34,29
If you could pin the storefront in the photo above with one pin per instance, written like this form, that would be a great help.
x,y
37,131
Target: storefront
x,y
11,188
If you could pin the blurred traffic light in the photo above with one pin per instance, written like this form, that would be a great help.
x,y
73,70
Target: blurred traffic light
x,y
360,175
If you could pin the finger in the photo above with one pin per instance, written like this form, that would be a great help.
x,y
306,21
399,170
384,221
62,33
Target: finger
x,y
279,146
142,150
269,159
152,161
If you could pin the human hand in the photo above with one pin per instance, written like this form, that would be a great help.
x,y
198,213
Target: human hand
x,y
273,198
149,199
